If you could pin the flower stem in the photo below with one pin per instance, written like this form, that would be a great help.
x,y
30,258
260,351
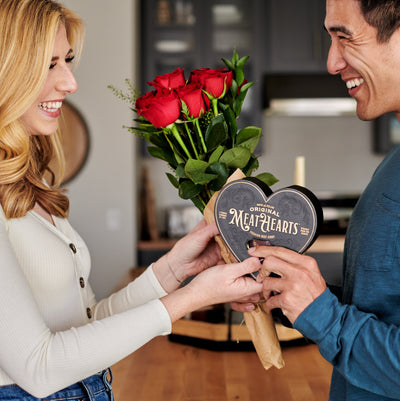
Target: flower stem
x,y
214,102
177,136
203,203
168,140
191,141
197,125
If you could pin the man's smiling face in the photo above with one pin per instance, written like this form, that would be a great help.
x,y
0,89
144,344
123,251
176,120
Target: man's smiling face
x,y
369,68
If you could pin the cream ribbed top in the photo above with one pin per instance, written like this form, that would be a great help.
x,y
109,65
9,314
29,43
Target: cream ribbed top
x,y
47,339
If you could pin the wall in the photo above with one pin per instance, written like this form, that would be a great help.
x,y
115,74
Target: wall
x,y
103,195
337,150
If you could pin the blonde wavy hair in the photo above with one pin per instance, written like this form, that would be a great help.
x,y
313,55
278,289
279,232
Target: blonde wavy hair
x,y
27,33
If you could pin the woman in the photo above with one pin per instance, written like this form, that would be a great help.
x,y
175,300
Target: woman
x,y
54,336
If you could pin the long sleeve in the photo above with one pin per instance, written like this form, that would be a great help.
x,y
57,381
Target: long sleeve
x,y
143,289
362,348
47,340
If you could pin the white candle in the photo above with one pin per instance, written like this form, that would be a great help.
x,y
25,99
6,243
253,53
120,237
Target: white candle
x,y
299,171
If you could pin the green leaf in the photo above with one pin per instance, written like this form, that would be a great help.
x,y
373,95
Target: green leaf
x,y
179,159
234,88
198,203
158,140
246,86
228,63
230,119
239,76
267,178
236,157
196,171
188,190
237,105
180,171
235,57
173,180
216,154
162,154
222,173
217,132
249,137
242,61
251,166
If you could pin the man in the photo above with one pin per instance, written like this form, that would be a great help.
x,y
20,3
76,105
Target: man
x,y
359,331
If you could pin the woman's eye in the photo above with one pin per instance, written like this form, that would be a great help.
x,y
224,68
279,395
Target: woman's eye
x,y
52,65
70,59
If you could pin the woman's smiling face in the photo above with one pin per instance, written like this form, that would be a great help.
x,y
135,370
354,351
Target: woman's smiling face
x,y
369,68
42,116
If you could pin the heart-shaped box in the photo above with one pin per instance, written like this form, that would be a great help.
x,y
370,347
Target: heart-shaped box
x,y
247,211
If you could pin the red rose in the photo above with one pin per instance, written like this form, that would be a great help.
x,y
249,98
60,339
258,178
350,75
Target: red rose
x,y
214,82
160,108
194,98
172,80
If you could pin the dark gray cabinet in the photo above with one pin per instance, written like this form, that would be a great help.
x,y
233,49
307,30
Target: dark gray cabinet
x,y
297,41
194,34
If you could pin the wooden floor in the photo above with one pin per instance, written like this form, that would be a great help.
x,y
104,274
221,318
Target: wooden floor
x,y
168,371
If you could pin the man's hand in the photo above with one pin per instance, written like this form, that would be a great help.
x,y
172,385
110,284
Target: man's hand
x,y
298,285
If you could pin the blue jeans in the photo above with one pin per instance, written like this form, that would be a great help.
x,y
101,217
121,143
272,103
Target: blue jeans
x,y
94,388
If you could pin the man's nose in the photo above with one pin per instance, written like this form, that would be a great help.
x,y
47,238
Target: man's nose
x,y
335,63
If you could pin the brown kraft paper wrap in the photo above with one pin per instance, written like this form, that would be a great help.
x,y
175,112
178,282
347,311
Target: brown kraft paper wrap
x,y
259,322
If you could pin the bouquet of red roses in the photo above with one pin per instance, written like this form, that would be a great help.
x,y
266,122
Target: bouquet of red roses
x,y
192,125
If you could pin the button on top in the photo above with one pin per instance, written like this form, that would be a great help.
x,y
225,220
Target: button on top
x,y
73,248
89,313
82,282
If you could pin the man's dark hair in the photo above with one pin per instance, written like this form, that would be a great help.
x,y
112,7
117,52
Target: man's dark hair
x,y
384,15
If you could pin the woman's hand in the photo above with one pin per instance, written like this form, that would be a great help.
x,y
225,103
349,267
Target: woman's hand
x,y
191,254
218,284
299,283
246,304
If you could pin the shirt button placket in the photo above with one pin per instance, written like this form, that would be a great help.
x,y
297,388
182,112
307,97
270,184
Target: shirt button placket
x,y
81,281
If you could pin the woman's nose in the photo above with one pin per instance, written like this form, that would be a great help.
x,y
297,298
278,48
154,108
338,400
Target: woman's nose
x,y
67,82
335,63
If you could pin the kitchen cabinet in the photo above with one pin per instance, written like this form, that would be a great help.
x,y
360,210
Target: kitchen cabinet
x,y
297,40
194,34
285,37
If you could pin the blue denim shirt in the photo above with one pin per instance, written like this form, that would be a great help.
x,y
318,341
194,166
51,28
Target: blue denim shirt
x,y
360,334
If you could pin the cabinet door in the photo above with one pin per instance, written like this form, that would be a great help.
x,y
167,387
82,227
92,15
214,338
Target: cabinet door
x,y
297,39
235,24
169,37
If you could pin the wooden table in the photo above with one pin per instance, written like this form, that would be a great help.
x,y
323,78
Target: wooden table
x,y
166,371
